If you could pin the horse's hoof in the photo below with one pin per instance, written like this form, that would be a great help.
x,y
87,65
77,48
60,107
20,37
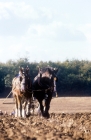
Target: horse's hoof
x,y
27,115
46,115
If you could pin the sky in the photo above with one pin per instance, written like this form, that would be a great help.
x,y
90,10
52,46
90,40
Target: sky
x,y
45,30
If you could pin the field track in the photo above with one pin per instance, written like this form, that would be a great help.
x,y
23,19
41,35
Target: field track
x,y
58,105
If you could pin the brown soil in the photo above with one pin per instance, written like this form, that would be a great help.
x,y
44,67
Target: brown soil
x,y
70,119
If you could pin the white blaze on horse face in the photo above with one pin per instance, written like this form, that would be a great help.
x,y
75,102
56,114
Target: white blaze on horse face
x,y
46,74
20,74
23,85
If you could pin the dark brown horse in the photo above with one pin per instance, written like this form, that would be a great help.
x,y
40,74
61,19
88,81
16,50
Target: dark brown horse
x,y
21,89
43,88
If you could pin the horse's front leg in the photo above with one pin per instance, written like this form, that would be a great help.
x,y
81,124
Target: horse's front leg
x,y
19,106
23,109
41,107
16,107
47,106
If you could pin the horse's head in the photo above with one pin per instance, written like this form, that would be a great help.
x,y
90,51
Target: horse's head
x,y
48,72
53,72
24,79
47,76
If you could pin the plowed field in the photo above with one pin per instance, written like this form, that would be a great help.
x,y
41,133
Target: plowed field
x,y
70,119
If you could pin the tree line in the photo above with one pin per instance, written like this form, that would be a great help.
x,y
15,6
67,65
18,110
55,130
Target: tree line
x,y
73,76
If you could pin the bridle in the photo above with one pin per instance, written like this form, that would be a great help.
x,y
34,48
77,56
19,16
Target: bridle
x,y
24,79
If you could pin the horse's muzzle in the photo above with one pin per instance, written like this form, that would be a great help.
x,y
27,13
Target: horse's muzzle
x,y
22,88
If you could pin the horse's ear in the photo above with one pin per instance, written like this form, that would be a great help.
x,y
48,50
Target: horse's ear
x,y
56,70
38,68
20,68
